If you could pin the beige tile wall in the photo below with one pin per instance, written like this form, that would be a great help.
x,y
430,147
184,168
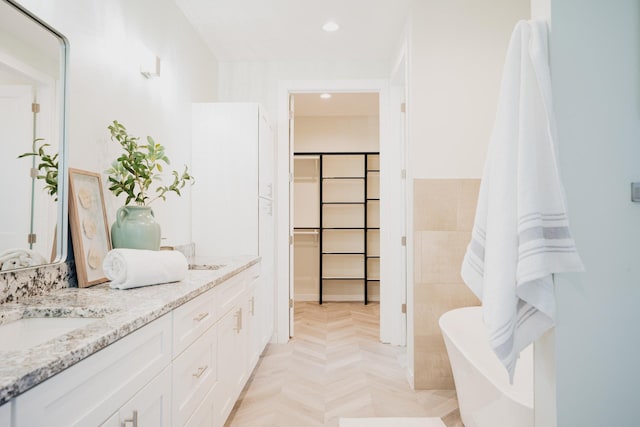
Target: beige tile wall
x,y
443,217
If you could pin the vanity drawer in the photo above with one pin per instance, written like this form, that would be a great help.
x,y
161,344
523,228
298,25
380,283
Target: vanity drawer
x,y
191,319
253,273
229,292
194,376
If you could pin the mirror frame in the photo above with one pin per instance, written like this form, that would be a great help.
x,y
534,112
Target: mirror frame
x,y
61,235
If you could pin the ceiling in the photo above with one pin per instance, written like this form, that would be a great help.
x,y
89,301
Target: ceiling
x,y
340,104
291,29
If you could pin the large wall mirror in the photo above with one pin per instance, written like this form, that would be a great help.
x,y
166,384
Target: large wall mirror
x,y
33,73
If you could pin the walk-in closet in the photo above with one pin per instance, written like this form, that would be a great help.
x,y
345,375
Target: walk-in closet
x,y
336,198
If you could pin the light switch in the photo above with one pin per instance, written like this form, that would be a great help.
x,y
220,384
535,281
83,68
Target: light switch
x,y
635,192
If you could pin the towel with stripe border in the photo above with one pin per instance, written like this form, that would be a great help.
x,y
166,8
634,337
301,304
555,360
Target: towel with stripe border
x,y
521,233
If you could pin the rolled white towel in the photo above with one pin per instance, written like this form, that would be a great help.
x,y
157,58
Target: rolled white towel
x,y
132,268
20,258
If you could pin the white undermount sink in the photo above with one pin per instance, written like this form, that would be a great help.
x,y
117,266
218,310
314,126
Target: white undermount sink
x,y
28,332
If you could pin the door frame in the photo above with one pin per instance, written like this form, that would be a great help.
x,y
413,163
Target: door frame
x,y
390,240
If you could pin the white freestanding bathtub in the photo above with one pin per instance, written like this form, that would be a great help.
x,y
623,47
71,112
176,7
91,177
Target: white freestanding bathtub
x,y
485,397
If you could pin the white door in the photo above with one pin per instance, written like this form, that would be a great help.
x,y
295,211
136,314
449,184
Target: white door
x,y
16,122
291,192
403,252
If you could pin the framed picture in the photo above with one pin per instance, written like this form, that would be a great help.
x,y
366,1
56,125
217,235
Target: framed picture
x,y
89,228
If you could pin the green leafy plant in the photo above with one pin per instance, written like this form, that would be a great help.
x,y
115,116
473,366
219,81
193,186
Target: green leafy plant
x,y
47,168
136,169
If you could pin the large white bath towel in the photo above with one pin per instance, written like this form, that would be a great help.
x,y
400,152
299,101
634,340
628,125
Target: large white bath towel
x,y
521,231
132,268
20,258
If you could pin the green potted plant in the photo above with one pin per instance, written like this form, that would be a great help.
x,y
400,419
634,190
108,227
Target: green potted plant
x,y
47,168
133,173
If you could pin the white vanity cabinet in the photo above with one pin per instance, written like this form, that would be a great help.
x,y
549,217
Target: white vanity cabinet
x,y
91,391
186,368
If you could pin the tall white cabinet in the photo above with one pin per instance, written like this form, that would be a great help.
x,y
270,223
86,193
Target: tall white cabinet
x,y
232,201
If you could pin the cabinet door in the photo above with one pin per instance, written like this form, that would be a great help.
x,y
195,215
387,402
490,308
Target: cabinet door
x,y
204,416
232,362
266,155
225,152
5,414
151,406
89,392
257,323
113,421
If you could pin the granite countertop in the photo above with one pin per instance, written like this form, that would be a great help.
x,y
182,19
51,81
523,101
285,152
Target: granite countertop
x,y
116,312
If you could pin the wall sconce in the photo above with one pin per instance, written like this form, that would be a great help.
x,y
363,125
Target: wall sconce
x,y
150,65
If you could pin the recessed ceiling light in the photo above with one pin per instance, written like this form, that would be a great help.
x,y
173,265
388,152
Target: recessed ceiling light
x,y
330,27
325,96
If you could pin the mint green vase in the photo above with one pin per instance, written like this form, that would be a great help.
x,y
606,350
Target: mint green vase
x,y
135,228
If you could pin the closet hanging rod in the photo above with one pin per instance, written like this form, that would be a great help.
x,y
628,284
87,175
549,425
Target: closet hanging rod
x,y
306,232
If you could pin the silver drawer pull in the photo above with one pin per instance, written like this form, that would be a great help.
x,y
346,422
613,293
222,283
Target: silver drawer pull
x,y
133,420
238,317
201,316
200,371
253,306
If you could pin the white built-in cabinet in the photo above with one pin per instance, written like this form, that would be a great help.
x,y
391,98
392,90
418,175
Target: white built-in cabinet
x,y
233,154
232,157
186,368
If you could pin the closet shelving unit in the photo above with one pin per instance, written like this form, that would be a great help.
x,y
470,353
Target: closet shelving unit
x,y
349,231
372,215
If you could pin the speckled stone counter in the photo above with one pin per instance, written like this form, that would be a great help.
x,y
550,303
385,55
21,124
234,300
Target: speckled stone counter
x,y
116,312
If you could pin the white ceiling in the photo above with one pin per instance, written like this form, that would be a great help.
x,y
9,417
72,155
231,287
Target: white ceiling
x,y
291,29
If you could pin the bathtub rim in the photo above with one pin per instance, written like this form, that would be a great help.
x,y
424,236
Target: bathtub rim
x,y
519,395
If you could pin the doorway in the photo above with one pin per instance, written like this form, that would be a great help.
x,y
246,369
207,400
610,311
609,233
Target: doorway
x,y
336,197
390,208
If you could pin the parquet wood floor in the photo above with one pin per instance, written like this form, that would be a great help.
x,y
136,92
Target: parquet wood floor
x,y
335,367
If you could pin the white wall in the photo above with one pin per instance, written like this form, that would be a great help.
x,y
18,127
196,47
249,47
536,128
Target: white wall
x,y
544,398
343,133
106,84
257,81
595,65
457,52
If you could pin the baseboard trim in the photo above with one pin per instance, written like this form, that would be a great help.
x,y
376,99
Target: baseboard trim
x,y
411,379
334,298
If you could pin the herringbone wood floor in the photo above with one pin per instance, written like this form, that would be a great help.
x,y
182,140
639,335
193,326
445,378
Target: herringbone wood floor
x,y
335,367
